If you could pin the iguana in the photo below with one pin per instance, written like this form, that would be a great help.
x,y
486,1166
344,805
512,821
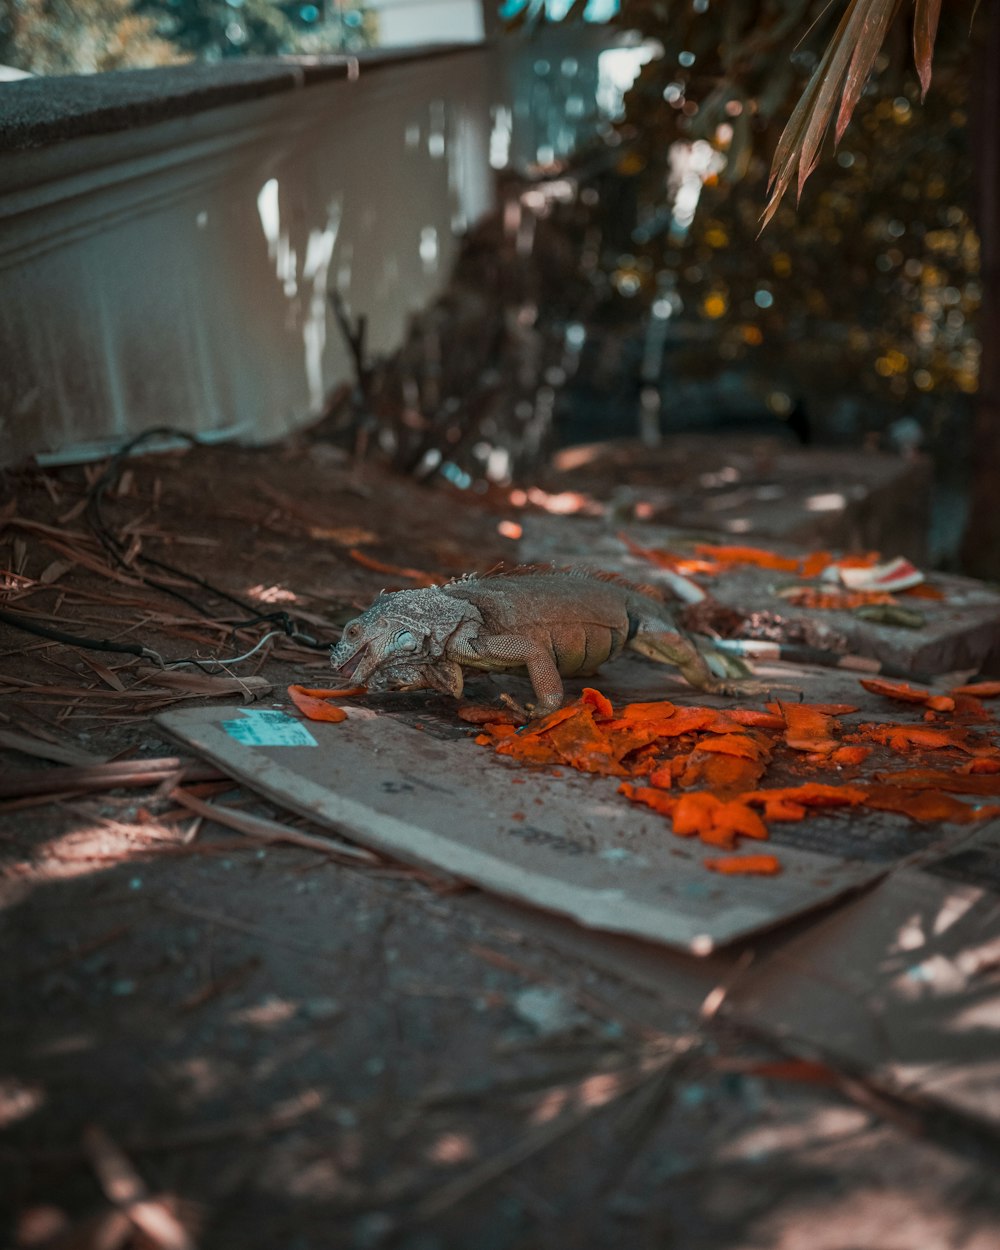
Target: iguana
x,y
554,623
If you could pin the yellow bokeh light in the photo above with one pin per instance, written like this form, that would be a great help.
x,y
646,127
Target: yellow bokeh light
x,y
715,305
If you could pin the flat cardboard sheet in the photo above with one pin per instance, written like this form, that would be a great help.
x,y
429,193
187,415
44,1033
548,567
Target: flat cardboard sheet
x,y
902,984
567,843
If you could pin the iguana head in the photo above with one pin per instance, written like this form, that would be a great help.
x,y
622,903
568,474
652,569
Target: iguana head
x,y
409,627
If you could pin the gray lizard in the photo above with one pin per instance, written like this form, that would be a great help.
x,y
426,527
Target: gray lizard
x,y
554,623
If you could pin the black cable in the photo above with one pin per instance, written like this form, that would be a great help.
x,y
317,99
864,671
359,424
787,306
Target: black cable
x,y
94,644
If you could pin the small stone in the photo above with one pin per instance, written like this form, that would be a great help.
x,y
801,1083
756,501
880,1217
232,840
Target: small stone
x,y
548,1010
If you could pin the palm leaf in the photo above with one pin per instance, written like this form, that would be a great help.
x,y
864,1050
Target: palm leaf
x,y
925,24
841,73
865,52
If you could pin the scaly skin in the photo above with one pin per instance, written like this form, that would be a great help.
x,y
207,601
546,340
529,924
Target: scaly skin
x,y
554,624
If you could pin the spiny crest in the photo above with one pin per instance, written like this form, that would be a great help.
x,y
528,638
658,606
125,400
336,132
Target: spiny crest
x,y
577,571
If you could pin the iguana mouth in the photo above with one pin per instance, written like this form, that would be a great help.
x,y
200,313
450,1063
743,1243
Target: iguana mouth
x,y
351,665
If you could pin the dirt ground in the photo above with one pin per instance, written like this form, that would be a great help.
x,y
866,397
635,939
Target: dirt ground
x,y
209,1041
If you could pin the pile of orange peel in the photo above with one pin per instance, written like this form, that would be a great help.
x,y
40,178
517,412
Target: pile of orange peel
x,y
712,559
702,767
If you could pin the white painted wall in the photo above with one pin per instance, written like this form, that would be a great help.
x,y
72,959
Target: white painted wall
x,y
177,273
403,23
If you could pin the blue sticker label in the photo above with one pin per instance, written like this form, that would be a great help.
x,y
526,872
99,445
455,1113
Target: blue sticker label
x,y
269,729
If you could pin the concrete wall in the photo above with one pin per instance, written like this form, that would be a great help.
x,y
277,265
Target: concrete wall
x,y
170,265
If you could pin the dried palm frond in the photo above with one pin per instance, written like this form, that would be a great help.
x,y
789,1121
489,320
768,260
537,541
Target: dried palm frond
x,y
841,74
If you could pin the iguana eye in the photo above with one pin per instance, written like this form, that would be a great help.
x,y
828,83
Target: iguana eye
x,y
405,641
352,630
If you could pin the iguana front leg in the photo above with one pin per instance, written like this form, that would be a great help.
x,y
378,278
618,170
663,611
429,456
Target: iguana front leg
x,y
503,651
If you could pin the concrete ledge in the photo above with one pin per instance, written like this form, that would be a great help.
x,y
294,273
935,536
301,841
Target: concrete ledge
x,y
38,112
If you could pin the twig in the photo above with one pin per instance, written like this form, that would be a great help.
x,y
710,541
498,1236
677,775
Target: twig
x,y
123,1186
460,1188
29,745
221,985
286,1115
117,774
270,830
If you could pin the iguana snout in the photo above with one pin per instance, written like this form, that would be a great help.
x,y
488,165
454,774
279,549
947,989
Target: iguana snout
x,y
408,627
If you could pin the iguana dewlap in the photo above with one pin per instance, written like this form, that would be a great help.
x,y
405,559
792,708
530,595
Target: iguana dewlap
x,y
554,624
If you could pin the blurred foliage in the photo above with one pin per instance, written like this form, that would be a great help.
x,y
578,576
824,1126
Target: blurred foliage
x,y
89,36
215,29
869,287
80,37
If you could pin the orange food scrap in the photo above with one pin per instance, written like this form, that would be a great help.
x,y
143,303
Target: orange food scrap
x,y
925,805
601,705
702,814
814,564
923,738
836,600
984,764
745,865
782,810
758,720
740,819
684,565
656,799
742,745
981,689
905,693
345,692
811,794
808,729
315,708
724,774
969,707
694,813
850,756
716,835
660,710
494,731
756,556
538,727
679,720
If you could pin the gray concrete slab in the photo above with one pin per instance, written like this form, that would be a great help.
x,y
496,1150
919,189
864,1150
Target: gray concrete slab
x,y
961,632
